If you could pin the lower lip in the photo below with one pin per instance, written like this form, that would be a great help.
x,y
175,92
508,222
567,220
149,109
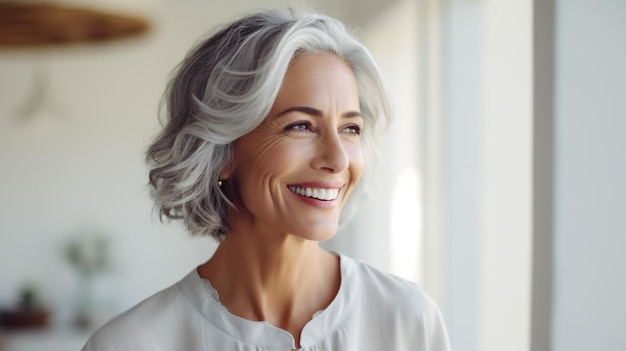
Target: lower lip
x,y
315,202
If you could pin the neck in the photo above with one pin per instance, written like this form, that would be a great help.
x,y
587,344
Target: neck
x,y
278,278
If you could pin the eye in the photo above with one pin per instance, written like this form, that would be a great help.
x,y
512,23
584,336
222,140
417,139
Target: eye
x,y
300,127
354,129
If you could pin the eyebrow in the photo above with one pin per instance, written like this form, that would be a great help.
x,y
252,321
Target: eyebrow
x,y
315,112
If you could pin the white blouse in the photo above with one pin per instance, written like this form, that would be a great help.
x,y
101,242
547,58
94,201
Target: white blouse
x,y
372,311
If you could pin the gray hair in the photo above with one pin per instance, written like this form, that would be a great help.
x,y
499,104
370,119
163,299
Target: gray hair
x,y
224,88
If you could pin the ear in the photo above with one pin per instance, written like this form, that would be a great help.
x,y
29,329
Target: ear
x,y
227,171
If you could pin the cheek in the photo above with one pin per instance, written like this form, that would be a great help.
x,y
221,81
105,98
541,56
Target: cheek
x,y
357,161
263,161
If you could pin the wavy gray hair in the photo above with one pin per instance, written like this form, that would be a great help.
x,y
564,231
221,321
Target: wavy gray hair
x,y
224,88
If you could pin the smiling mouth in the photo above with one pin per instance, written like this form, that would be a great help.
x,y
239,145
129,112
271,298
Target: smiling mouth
x,y
316,193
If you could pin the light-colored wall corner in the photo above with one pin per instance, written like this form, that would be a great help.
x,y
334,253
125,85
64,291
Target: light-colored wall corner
x,y
543,176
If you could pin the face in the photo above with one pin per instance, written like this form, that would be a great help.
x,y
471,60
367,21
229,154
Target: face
x,y
295,171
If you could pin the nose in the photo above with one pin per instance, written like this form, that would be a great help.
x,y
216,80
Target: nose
x,y
332,156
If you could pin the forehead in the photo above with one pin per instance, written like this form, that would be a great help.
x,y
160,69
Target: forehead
x,y
329,65
319,79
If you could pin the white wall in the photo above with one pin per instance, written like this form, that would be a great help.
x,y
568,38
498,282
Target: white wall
x,y
590,169
486,147
462,111
506,176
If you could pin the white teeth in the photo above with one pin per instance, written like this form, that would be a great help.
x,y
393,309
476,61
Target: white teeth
x,y
317,193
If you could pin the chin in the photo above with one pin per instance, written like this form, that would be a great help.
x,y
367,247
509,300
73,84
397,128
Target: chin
x,y
324,237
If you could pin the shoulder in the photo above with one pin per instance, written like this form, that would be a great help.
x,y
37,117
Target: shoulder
x,y
392,290
400,305
146,326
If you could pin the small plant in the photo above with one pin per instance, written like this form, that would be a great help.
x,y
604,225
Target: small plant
x,y
88,254
28,297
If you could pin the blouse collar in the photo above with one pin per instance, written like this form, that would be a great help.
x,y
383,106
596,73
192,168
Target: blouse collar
x,y
323,323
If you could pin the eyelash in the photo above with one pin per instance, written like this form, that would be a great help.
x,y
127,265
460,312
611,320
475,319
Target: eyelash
x,y
355,129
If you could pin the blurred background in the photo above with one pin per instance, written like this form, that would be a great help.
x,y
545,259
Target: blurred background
x,y
499,187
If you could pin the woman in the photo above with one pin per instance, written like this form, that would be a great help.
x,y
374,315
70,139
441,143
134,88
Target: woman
x,y
270,125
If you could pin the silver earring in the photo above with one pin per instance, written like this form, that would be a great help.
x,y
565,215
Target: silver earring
x,y
220,182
